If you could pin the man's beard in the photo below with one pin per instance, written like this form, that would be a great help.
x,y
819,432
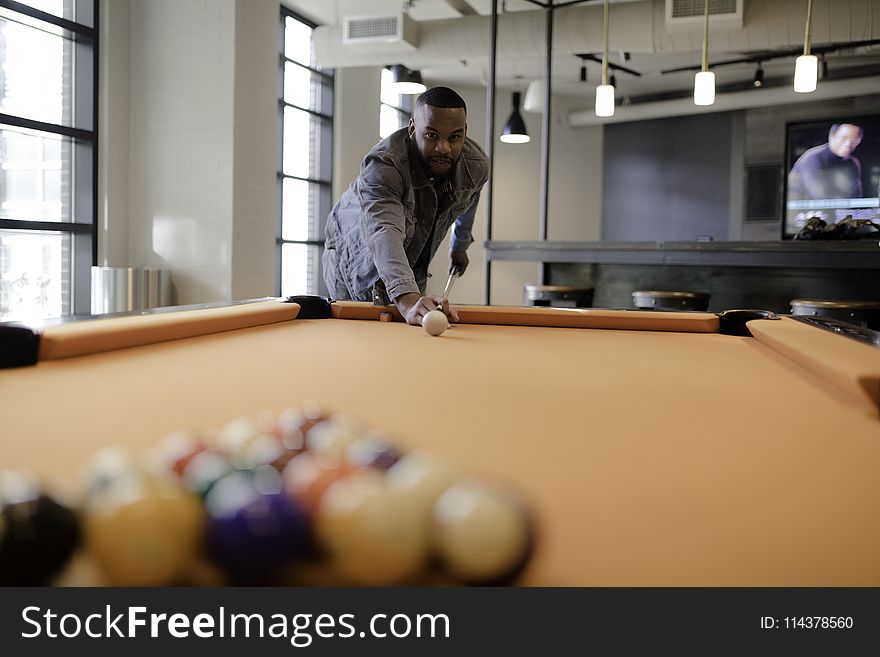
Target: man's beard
x,y
442,174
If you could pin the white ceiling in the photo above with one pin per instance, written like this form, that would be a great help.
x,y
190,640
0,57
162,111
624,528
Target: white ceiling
x,y
514,72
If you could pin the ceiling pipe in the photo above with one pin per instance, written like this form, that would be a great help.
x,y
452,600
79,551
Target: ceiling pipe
x,y
830,89
638,27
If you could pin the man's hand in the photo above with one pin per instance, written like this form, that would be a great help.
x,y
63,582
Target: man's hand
x,y
458,260
414,307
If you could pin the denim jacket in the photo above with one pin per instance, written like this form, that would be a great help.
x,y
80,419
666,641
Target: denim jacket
x,y
382,222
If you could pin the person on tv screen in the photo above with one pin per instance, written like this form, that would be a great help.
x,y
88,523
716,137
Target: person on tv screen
x,y
830,170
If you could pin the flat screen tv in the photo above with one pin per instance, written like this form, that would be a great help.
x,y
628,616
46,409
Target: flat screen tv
x,y
832,171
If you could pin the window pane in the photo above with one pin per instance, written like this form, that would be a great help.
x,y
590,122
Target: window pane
x,y
60,8
299,267
303,88
302,144
386,95
300,210
34,274
298,42
390,120
35,175
36,74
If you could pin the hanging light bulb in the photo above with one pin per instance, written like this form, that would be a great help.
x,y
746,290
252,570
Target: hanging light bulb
x,y
806,67
759,76
605,91
514,131
406,81
704,81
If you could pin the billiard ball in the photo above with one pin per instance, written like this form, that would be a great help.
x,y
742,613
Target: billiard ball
x,y
293,424
307,476
205,469
143,529
373,535
38,533
373,450
254,528
422,477
435,322
481,533
332,436
237,434
106,466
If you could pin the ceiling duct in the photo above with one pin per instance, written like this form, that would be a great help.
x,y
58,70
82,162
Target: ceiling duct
x,y
689,14
397,29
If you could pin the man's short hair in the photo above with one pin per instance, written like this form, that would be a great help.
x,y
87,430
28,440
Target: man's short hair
x,y
441,97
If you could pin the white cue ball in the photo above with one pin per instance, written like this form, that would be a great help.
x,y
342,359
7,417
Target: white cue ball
x,y
435,322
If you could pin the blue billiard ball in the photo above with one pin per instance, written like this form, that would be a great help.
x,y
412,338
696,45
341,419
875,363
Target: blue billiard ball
x,y
254,528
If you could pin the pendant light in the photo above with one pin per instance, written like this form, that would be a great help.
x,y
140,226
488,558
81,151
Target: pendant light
x,y
806,67
514,131
605,91
406,81
704,81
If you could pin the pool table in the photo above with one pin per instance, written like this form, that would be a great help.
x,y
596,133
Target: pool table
x,y
652,449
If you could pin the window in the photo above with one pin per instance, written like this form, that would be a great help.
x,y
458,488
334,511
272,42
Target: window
x,y
395,109
48,167
305,175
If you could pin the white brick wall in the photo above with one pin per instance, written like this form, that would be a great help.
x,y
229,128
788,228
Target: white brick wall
x,y
189,104
256,149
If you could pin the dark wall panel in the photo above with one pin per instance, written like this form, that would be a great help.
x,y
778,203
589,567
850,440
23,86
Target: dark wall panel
x,y
667,179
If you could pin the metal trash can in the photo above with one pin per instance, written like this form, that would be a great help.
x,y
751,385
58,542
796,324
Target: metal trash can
x,y
152,288
124,289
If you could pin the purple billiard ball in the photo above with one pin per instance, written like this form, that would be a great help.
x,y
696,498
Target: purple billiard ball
x,y
254,528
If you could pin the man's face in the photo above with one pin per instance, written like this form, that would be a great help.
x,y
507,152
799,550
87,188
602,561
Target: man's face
x,y
845,140
439,133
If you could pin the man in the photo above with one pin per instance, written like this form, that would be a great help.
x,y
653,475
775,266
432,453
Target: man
x,y
829,170
413,186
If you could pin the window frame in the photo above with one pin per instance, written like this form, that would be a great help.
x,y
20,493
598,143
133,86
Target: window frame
x,y
82,227
325,155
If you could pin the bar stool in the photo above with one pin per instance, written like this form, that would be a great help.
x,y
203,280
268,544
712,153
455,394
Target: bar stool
x,y
558,295
862,313
668,300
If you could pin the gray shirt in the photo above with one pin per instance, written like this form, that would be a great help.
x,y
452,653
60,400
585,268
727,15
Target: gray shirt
x,y
392,213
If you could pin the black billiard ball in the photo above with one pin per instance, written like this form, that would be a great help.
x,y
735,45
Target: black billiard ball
x,y
38,533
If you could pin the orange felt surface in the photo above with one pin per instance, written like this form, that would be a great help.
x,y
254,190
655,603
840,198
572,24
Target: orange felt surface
x,y
648,457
